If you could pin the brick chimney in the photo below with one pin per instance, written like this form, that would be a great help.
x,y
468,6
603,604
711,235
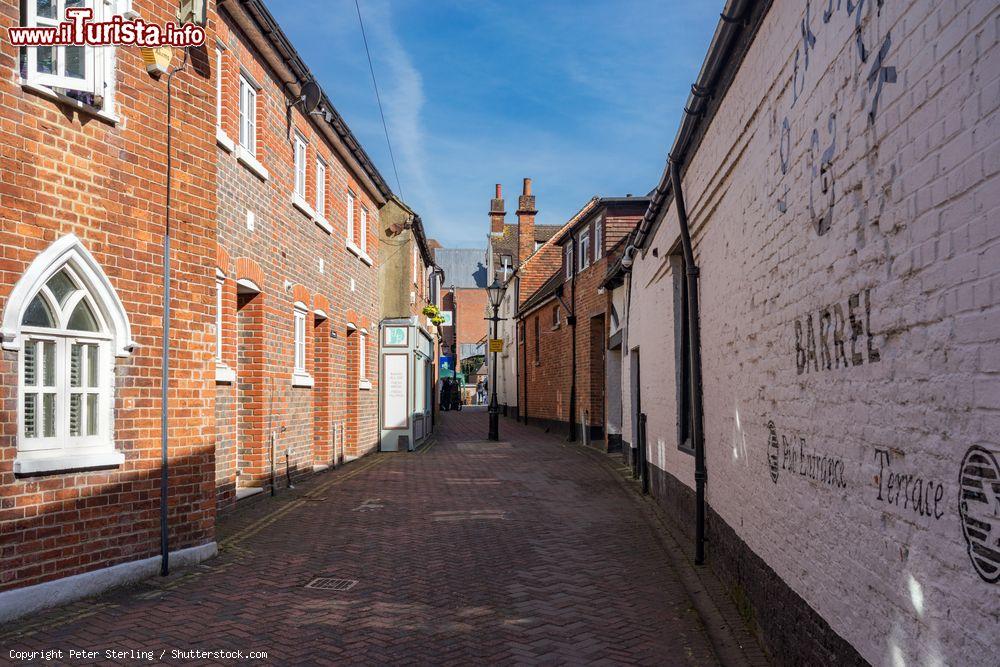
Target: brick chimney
x,y
525,223
497,214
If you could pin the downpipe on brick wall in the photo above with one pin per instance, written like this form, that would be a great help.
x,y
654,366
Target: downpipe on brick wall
x,y
694,333
165,352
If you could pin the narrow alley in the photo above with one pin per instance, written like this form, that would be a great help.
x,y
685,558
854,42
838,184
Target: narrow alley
x,y
526,550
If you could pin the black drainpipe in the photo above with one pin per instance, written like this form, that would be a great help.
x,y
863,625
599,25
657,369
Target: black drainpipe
x,y
694,333
524,357
571,320
165,351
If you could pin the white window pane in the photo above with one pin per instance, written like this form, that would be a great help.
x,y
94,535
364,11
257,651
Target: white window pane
x,y
363,230
61,286
45,9
49,415
30,363
75,414
49,363
92,358
75,365
75,62
92,414
30,415
83,318
38,314
45,60
350,217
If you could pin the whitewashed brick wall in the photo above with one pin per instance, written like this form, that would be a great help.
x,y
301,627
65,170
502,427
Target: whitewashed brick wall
x,y
910,216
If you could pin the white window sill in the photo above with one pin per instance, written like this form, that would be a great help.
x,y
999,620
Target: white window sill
x,y
302,380
250,162
224,374
362,255
47,92
31,463
323,224
365,384
223,140
300,203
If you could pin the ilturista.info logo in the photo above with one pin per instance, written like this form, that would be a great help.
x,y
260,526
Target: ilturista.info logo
x,y
79,30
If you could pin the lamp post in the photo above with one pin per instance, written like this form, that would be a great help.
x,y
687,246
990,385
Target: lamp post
x,y
495,292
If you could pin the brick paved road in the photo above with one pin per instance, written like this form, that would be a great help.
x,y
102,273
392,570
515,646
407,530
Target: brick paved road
x,y
522,551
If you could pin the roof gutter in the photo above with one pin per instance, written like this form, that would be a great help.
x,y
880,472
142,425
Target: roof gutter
x,y
731,24
253,16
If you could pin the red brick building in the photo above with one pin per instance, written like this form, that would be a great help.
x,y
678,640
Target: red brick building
x,y
563,319
274,271
297,267
82,227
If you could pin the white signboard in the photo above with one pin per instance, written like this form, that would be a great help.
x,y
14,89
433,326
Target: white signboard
x,y
395,396
446,314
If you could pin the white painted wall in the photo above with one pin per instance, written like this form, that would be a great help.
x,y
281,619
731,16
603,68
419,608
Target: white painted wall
x,y
914,222
507,362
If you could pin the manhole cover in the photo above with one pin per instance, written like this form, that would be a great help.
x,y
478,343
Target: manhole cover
x,y
330,584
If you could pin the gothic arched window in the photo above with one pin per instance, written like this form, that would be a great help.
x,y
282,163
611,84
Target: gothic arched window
x,y
67,325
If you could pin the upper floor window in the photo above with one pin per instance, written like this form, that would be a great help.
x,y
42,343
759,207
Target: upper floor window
x,y
583,243
363,230
568,258
555,316
84,74
320,188
67,324
506,266
350,217
248,115
300,167
598,238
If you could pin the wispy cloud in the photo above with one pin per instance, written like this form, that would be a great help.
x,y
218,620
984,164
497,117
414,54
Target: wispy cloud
x,y
401,87
584,97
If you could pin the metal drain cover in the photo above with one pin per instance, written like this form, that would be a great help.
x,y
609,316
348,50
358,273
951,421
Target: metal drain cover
x,y
330,584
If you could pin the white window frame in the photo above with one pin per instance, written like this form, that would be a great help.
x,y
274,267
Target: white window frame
x,y
363,230
320,188
300,341
61,451
99,62
301,156
300,373
568,256
350,217
223,373
583,243
506,266
248,115
598,241
362,356
220,281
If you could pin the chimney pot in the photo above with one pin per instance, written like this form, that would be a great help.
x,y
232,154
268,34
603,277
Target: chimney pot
x,y
499,194
527,187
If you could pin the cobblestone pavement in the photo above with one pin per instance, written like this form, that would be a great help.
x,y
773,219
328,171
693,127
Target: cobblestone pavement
x,y
467,552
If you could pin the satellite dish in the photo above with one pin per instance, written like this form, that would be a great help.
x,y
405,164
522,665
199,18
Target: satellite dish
x,y
309,96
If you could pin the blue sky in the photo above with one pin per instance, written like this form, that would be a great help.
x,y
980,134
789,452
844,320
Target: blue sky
x,y
584,97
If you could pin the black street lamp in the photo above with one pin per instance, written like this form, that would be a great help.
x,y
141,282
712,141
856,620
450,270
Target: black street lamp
x,y
495,292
